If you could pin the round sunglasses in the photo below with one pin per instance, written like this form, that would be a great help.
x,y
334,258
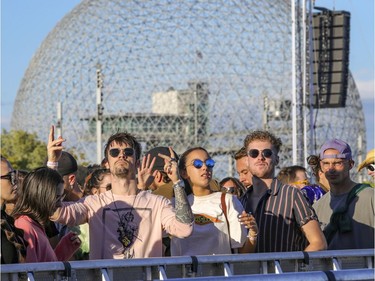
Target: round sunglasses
x,y
266,153
371,167
114,152
197,163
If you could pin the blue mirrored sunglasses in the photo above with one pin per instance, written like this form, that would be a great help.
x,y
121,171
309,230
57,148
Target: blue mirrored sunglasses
x,y
197,163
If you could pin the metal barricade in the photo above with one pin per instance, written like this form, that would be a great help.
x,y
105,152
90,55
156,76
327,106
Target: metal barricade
x,y
323,265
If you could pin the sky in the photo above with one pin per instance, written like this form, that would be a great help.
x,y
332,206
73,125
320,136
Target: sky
x,y
26,23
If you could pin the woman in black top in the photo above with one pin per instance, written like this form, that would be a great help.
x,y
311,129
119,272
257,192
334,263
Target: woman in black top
x,y
13,247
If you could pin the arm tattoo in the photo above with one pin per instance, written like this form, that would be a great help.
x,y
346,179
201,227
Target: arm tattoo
x,y
182,206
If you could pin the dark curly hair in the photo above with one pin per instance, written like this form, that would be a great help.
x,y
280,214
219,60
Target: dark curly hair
x,y
124,138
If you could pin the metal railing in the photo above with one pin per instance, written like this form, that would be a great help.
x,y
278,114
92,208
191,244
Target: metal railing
x,y
323,265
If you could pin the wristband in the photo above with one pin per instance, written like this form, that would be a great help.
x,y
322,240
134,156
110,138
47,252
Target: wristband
x,y
179,183
51,164
252,238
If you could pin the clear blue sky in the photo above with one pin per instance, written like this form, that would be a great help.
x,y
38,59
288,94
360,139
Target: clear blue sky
x,y
25,24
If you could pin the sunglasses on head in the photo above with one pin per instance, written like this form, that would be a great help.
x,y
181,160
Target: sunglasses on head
x,y
266,153
11,176
114,152
197,163
371,167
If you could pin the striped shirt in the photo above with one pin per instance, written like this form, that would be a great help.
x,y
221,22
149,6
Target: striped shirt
x,y
280,214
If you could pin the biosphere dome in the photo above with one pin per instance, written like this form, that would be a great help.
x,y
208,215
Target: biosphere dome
x,y
180,73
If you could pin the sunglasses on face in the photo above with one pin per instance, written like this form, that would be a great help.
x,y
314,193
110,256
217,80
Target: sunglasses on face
x,y
304,182
230,190
114,152
11,176
371,167
266,153
197,163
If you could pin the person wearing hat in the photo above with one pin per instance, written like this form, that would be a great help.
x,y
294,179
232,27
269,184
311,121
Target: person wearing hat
x,y
346,212
67,168
369,163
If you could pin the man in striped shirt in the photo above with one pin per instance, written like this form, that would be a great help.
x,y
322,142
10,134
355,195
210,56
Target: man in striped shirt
x,y
285,219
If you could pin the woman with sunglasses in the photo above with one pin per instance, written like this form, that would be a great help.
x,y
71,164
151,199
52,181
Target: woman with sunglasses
x,y
216,230
97,182
13,247
40,194
369,164
296,176
233,186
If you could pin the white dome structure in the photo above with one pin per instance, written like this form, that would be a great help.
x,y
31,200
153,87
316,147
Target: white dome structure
x,y
180,73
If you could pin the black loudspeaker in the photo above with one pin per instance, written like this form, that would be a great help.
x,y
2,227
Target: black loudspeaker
x,y
331,30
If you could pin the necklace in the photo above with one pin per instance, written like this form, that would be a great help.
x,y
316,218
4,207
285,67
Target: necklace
x,y
127,228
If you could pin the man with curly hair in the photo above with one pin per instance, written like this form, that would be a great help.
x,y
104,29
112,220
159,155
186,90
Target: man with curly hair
x,y
285,219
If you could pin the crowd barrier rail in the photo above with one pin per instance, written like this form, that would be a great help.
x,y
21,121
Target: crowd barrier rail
x,y
322,265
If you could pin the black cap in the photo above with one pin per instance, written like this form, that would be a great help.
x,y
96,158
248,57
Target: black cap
x,y
159,162
67,164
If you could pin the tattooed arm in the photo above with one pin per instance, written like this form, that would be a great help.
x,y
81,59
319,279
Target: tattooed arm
x,y
182,206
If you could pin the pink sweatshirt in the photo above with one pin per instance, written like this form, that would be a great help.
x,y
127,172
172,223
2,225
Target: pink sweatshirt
x,y
39,248
142,217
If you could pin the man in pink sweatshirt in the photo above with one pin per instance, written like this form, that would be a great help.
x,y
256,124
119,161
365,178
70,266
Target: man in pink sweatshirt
x,y
125,222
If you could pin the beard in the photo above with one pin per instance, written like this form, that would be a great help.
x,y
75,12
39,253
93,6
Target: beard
x,y
263,173
121,172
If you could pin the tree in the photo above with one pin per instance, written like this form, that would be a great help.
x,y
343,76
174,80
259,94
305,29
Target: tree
x,y
23,150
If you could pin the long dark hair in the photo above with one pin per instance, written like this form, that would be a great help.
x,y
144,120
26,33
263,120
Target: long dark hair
x,y
37,195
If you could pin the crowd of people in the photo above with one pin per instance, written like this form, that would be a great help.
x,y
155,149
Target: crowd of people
x,y
163,204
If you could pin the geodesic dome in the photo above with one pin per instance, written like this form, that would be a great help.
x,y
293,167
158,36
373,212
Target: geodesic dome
x,y
179,73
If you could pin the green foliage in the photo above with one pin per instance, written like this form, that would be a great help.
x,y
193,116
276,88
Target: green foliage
x,y
23,150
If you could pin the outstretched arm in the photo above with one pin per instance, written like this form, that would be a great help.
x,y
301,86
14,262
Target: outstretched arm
x,y
54,151
182,206
184,213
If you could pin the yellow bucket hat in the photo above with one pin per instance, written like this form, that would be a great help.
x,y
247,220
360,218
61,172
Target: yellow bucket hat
x,y
370,159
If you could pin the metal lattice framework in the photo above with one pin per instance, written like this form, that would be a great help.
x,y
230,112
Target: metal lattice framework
x,y
180,73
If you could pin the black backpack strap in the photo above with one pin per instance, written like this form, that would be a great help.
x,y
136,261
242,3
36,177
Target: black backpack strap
x,y
339,215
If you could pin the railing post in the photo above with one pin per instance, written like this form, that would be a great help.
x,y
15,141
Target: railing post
x,y
278,269
30,276
227,269
162,273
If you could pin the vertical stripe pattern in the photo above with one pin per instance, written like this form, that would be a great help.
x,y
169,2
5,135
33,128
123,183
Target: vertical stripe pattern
x,y
280,215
